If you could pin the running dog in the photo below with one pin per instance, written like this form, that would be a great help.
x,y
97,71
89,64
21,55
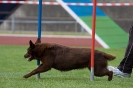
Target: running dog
x,y
64,58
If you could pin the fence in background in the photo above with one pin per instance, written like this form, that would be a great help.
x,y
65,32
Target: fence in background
x,y
14,22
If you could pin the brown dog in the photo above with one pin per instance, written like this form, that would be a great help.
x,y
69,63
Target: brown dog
x,y
65,58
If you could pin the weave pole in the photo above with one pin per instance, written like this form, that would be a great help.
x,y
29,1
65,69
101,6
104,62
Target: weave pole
x,y
93,39
39,29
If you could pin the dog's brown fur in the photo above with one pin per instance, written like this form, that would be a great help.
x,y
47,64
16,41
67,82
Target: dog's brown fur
x,y
65,58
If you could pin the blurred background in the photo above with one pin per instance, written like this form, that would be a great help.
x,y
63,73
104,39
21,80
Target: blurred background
x,y
112,23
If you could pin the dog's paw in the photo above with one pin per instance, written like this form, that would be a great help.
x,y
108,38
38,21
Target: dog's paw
x,y
110,75
26,76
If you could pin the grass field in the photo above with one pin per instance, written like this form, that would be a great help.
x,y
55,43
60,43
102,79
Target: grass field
x,y
13,66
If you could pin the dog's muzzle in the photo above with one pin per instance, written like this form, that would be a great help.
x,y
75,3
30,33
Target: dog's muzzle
x,y
26,55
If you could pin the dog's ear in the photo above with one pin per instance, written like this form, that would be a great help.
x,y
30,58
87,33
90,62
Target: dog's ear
x,y
38,41
39,49
32,45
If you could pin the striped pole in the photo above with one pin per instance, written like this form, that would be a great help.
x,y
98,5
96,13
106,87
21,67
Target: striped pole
x,y
71,4
39,29
93,40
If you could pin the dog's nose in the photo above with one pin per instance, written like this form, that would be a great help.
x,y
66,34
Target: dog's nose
x,y
26,55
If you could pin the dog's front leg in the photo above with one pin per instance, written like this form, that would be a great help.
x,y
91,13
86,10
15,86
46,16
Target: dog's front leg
x,y
41,68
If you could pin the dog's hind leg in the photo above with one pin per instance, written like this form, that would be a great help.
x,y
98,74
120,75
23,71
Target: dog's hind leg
x,y
110,75
41,68
104,72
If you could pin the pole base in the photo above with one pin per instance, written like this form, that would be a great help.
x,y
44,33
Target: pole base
x,y
92,74
38,76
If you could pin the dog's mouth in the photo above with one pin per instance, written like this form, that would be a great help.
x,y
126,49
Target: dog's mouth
x,y
29,57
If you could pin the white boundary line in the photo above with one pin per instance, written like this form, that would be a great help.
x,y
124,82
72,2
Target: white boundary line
x,y
72,4
88,29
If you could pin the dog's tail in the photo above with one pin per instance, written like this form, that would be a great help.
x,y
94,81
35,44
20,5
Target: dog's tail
x,y
109,56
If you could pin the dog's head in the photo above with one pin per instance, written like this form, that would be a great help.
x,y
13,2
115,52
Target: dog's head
x,y
30,50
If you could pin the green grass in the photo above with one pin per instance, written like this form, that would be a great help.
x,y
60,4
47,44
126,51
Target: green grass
x,y
13,66
112,34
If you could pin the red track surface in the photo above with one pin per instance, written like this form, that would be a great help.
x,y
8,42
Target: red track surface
x,y
23,40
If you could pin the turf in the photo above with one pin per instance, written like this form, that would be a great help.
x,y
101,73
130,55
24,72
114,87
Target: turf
x,y
13,66
108,31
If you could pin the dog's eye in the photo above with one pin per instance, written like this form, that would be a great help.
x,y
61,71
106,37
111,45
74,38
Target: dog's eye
x,y
29,52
